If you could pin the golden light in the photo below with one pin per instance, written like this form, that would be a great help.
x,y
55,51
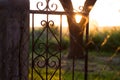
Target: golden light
x,y
105,13
55,18
78,18
77,4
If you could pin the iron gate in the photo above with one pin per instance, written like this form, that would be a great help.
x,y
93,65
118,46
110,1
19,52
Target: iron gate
x,y
47,61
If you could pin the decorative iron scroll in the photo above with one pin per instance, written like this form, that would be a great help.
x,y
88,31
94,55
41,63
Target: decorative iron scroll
x,y
46,61
46,57
46,7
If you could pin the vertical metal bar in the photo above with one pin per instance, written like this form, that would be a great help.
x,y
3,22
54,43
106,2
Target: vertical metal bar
x,y
60,45
86,54
73,68
32,45
47,25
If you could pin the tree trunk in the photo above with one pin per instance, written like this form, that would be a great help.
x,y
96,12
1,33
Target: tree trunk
x,y
76,49
76,30
76,39
14,32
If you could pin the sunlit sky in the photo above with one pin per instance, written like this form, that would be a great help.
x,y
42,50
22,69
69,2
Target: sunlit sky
x,y
104,12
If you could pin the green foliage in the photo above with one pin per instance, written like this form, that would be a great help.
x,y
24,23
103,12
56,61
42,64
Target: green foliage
x,y
103,76
107,40
40,37
65,42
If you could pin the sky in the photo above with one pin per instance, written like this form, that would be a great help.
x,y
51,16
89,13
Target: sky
x,y
104,12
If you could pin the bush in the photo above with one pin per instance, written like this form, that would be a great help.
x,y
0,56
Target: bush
x,y
107,40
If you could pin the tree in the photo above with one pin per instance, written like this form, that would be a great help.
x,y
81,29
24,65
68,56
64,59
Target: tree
x,y
76,29
14,31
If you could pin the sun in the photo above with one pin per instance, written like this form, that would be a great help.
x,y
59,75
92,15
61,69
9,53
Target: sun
x,y
103,13
78,18
55,18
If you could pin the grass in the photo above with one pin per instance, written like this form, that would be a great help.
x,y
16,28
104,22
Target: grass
x,y
106,45
42,72
104,75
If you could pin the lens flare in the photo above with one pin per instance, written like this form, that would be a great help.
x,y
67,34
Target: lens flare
x,y
78,18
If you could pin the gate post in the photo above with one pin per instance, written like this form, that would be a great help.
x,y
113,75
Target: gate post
x,y
14,35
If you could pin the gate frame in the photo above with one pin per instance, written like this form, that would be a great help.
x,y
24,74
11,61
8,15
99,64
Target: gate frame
x,y
48,11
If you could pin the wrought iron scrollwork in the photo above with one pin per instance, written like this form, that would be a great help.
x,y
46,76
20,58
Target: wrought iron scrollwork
x,y
53,61
81,8
51,23
53,7
43,23
39,48
47,43
39,5
46,6
45,53
39,61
